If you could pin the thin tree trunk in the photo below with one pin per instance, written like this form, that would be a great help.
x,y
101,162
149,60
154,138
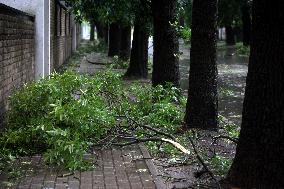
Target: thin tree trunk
x,y
259,157
125,43
166,46
100,30
114,39
246,19
106,33
230,35
238,33
139,53
181,20
202,103
92,30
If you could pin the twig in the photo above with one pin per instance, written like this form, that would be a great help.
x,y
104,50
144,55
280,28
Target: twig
x,y
203,163
152,129
155,139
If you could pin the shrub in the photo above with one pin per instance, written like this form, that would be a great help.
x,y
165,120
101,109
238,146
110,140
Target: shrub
x,y
242,50
63,116
186,34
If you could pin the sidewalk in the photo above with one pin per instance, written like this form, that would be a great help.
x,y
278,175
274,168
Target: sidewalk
x,y
117,168
130,167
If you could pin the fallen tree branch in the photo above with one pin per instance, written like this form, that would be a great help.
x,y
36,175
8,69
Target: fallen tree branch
x,y
235,140
199,158
97,63
155,139
152,129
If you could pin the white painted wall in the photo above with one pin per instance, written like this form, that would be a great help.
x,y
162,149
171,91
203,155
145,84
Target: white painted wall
x,y
39,8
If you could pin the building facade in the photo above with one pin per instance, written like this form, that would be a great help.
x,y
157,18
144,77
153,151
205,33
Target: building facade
x,y
57,34
36,38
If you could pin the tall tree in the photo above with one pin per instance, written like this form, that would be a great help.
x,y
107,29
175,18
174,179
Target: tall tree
x,y
114,39
230,35
125,40
139,53
92,30
100,29
166,46
106,32
202,103
259,157
246,21
138,67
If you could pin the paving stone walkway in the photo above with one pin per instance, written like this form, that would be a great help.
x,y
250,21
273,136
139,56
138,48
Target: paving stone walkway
x,y
129,167
117,168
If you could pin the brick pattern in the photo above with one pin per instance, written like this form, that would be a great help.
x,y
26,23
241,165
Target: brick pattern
x,y
117,168
16,54
61,38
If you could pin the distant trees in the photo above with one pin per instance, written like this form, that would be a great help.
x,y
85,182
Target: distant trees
x,y
229,17
234,15
259,157
166,45
202,103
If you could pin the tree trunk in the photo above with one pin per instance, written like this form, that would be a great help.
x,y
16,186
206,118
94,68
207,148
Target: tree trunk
x,y
246,24
92,30
202,103
238,33
125,43
230,35
181,20
100,30
106,33
114,39
259,157
139,53
166,46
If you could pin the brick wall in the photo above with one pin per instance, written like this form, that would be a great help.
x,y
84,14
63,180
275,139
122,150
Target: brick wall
x,y
61,35
16,53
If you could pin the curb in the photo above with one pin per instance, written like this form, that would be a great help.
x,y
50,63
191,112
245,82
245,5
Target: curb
x,y
152,168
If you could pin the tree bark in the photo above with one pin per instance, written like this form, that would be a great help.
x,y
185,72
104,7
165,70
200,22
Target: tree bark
x,y
166,46
114,39
202,102
246,19
125,43
139,53
106,33
259,156
92,30
238,33
100,30
182,20
230,35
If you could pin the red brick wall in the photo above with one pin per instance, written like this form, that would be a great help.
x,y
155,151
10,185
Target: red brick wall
x,y
16,53
61,35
